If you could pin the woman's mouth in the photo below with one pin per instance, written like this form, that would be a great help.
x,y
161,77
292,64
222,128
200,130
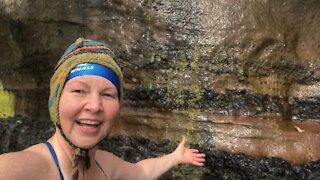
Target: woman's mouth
x,y
92,123
89,127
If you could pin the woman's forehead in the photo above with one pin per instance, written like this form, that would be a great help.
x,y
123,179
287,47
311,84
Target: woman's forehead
x,y
91,80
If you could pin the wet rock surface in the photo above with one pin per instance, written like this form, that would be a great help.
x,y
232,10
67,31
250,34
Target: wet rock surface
x,y
18,133
239,59
294,141
265,53
219,165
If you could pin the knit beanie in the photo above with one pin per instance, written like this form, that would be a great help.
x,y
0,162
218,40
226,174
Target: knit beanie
x,y
80,52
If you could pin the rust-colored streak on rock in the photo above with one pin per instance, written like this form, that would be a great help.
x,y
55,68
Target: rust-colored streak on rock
x,y
295,142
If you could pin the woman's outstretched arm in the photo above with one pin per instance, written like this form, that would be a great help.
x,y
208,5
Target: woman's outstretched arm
x,y
154,167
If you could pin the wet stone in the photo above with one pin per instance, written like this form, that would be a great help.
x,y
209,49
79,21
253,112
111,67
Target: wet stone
x,y
19,132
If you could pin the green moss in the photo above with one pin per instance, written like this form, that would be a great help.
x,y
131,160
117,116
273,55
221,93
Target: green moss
x,y
6,103
184,91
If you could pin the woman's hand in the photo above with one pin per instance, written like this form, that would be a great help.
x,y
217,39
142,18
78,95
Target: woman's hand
x,y
154,167
186,155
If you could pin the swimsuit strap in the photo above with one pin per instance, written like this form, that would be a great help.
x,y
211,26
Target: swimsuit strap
x,y
101,169
55,158
53,153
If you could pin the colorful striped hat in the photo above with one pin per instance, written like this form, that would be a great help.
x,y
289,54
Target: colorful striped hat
x,y
81,52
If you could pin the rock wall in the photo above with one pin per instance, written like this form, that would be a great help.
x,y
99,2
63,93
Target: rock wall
x,y
19,132
241,77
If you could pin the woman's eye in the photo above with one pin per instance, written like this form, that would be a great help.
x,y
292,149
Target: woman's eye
x,y
78,91
107,94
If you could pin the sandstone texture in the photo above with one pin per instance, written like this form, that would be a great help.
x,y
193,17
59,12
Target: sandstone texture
x,y
241,77
19,132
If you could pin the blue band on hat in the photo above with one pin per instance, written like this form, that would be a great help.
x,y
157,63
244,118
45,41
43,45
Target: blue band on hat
x,y
95,69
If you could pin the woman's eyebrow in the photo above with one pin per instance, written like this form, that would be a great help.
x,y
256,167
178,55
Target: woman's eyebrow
x,y
76,83
109,88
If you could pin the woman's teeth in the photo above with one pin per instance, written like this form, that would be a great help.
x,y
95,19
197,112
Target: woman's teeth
x,y
89,122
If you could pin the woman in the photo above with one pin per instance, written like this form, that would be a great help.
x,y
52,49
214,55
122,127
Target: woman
x,y
85,94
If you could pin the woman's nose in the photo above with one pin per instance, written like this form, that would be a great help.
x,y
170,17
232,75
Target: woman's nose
x,y
93,103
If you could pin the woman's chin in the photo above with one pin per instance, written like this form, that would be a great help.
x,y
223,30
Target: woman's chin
x,y
86,143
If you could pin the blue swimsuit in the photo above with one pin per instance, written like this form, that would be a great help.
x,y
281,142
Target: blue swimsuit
x,y
55,158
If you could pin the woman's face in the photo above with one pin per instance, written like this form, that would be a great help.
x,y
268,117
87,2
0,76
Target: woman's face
x,y
88,108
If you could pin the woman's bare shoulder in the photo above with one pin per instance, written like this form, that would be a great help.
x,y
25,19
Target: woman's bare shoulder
x,y
105,155
116,167
15,165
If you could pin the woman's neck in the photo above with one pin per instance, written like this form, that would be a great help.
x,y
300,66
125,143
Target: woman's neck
x,y
65,152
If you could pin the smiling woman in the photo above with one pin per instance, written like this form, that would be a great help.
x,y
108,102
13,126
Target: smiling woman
x,y
82,109
86,91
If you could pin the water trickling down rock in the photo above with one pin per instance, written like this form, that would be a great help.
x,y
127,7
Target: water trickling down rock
x,y
235,77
